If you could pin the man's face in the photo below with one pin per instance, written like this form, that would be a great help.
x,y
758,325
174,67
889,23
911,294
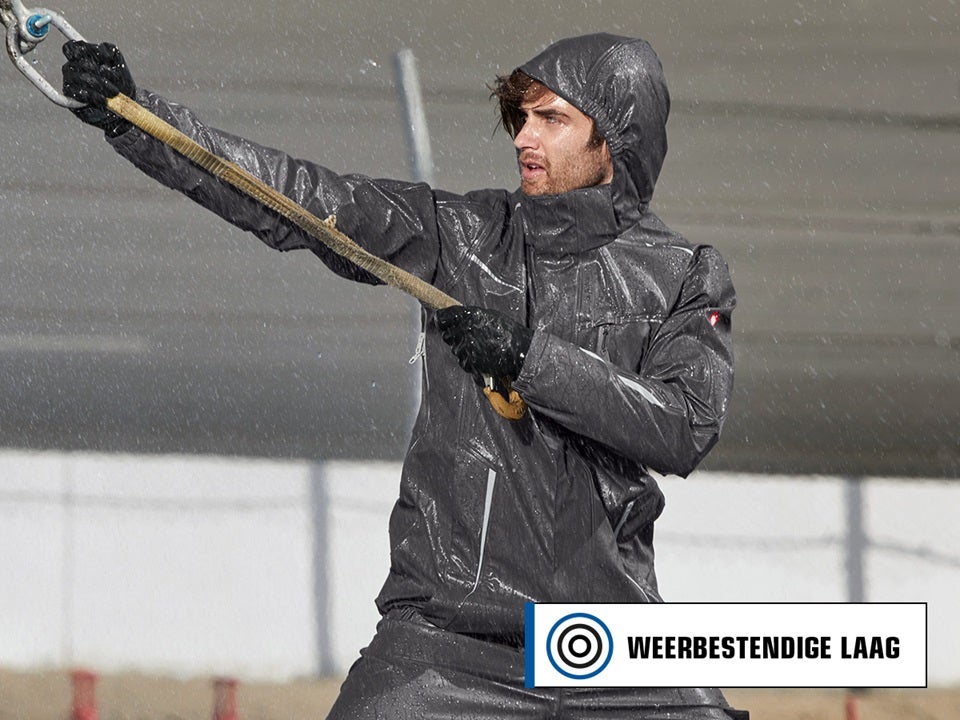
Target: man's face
x,y
553,147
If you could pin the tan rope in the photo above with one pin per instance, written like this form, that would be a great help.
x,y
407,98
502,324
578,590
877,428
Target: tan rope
x,y
323,230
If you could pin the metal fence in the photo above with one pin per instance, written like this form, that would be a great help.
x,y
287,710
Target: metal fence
x,y
162,563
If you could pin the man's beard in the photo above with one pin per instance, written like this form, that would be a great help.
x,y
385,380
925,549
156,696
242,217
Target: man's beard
x,y
591,170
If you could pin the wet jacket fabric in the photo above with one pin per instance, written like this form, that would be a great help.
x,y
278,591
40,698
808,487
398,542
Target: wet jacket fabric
x,y
629,370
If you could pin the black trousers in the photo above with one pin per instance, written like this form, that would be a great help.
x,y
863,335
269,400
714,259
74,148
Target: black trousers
x,y
415,670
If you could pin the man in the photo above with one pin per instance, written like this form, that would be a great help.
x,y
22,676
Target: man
x,y
613,329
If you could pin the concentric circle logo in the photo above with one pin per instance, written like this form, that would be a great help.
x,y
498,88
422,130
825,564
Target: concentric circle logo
x,y
579,646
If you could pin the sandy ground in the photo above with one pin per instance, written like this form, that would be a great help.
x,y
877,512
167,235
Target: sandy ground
x,y
48,696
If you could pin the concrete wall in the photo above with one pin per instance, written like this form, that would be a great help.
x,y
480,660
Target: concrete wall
x,y
268,570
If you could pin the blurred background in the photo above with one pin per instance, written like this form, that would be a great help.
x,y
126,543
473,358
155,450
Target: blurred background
x,y
182,408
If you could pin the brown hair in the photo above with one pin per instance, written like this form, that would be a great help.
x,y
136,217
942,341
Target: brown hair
x,y
512,90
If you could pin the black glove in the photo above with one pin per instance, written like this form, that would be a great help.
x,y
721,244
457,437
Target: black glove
x,y
485,342
92,74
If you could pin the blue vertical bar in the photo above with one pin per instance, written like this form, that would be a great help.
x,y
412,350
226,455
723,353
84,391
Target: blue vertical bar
x,y
529,649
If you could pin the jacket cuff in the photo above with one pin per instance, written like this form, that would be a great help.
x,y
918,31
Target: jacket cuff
x,y
123,142
533,362
130,137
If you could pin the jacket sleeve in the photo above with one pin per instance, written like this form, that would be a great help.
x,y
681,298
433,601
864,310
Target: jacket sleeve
x,y
667,413
392,219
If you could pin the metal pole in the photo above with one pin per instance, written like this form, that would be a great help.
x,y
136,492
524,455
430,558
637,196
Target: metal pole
x,y
320,515
855,551
408,83
68,568
421,165
856,541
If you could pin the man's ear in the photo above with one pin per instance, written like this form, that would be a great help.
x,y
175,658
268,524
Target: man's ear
x,y
608,160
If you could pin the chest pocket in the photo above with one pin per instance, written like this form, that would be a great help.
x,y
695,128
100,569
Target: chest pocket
x,y
619,309
622,342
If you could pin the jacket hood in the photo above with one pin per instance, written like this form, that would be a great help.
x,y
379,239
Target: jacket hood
x,y
619,82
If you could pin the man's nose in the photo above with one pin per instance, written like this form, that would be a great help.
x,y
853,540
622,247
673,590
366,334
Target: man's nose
x,y
526,138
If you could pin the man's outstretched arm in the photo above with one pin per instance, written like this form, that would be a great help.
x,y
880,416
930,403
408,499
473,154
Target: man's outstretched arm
x,y
393,219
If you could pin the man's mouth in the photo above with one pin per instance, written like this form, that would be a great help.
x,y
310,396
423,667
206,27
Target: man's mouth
x,y
531,168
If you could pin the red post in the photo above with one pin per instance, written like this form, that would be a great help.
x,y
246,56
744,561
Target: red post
x,y
853,711
225,699
84,695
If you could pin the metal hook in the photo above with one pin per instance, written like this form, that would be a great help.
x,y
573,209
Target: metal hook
x,y
14,13
25,30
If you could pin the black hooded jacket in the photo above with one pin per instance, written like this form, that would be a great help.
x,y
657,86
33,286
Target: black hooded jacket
x,y
630,368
